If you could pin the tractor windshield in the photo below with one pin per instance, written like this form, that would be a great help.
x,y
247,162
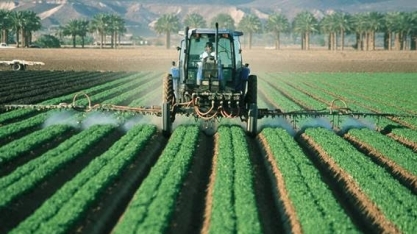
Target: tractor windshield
x,y
224,50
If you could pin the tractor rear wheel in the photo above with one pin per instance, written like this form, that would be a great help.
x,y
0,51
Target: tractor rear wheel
x,y
251,94
251,100
168,96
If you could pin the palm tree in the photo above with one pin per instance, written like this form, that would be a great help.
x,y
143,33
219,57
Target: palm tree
x,y
342,25
359,26
375,24
250,24
5,25
16,20
277,24
167,23
195,20
401,24
413,33
405,27
224,21
390,20
366,25
23,23
328,26
305,23
99,24
83,28
116,27
337,23
71,29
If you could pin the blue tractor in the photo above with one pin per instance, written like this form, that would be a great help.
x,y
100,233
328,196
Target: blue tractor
x,y
213,85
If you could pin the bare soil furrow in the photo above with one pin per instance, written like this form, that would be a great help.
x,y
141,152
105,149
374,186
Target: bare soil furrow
x,y
210,187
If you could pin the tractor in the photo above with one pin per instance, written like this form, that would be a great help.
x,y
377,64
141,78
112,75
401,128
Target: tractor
x,y
214,87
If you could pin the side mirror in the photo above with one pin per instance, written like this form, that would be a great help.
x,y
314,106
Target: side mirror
x,y
178,48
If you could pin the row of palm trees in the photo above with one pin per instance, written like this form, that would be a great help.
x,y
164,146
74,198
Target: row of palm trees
x,y
399,28
24,23
102,24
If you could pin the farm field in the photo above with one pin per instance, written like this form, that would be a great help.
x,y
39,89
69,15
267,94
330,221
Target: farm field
x,y
65,171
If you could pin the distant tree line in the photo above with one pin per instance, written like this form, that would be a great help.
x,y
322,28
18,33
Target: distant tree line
x,y
23,23
399,29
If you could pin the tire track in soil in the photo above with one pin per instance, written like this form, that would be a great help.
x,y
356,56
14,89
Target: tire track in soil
x,y
25,205
104,214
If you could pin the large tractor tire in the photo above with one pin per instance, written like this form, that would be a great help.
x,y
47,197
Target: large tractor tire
x,y
168,96
252,92
251,100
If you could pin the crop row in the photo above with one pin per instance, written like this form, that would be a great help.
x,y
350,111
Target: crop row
x,y
27,176
18,114
154,202
67,205
33,92
38,119
300,86
376,101
395,204
299,182
232,207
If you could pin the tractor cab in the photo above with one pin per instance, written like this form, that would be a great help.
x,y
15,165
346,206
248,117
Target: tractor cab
x,y
215,70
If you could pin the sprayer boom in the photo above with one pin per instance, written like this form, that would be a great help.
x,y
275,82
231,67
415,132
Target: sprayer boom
x,y
152,110
333,112
326,113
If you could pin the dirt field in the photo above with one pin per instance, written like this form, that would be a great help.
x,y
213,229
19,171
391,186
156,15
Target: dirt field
x,y
260,60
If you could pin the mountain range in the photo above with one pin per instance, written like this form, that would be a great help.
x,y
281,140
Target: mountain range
x,y
140,14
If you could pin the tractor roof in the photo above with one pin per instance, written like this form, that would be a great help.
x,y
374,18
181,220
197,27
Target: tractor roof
x,y
192,31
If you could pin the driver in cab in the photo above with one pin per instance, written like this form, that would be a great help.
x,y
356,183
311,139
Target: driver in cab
x,y
208,51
